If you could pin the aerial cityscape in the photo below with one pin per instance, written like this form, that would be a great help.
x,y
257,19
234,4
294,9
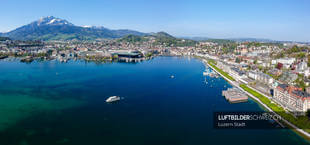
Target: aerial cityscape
x,y
154,72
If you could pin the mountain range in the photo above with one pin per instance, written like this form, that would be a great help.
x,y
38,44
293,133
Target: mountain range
x,y
52,28
233,39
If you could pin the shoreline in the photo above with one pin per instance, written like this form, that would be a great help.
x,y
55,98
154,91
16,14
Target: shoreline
x,y
295,129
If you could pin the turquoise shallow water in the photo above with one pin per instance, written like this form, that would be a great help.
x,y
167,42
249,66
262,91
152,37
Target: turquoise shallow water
x,y
54,103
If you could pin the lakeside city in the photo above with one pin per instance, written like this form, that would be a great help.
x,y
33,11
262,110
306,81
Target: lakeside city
x,y
119,85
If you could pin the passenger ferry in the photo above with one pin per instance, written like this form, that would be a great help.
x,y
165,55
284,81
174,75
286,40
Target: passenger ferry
x,y
113,99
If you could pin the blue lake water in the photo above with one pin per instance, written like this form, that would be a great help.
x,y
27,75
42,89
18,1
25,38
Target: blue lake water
x,y
50,103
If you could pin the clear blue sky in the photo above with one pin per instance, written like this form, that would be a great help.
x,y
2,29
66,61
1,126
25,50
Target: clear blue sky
x,y
274,19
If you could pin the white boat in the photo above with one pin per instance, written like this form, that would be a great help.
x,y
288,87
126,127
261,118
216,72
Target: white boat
x,y
205,73
172,76
113,99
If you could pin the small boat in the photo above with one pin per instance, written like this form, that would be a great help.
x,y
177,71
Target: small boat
x,y
172,76
113,99
205,73
206,81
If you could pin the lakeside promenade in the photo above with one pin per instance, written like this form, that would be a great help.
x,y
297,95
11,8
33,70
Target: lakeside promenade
x,y
236,84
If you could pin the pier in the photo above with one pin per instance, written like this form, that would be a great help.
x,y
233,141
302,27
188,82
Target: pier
x,y
3,57
127,59
27,59
234,95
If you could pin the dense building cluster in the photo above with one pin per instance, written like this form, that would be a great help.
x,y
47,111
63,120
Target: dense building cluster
x,y
280,71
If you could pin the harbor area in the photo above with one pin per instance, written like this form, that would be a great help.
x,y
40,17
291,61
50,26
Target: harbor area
x,y
234,95
209,72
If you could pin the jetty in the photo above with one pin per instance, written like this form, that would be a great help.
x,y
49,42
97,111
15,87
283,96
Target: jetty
x,y
234,95
3,57
27,59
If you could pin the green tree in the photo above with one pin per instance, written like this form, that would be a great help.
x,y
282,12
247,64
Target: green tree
x,y
238,60
301,55
255,61
308,61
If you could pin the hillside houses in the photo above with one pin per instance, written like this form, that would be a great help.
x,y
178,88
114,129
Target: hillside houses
x,y
286,62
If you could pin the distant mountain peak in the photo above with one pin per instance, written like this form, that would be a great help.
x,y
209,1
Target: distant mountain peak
x,y
94,27
51,20
162,34
87,26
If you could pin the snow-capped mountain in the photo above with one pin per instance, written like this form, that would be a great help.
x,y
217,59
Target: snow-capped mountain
x,y
50,20
87,26
52,28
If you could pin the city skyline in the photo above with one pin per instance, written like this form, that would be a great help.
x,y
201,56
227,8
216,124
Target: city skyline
x,y
276,20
